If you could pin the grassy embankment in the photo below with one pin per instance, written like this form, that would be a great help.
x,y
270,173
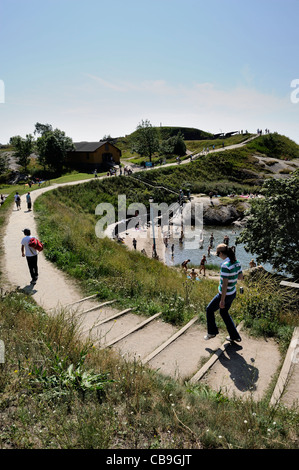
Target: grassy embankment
x,y
275,146
232,171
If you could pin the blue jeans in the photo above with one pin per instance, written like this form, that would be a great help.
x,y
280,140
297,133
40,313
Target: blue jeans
x,y
213,307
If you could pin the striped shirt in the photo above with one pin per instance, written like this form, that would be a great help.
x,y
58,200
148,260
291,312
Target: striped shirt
x,y
230,271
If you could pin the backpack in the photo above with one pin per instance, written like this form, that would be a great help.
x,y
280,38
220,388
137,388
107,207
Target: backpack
x,y
35,244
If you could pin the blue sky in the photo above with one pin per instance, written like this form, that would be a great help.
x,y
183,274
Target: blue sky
x,y
93,67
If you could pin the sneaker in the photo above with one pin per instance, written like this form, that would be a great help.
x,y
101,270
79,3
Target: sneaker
x,y
208,336
237,340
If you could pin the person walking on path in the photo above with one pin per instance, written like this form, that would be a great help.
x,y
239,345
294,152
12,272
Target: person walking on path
x,y
134,243
28,200
230,272
18,201
31,255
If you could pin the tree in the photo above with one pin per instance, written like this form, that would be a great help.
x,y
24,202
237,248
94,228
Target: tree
x,y
24,148
53,146
273,226
174,145
42,128
146,141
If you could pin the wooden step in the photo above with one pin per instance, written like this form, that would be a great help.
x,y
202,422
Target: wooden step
x,y
182,357
132,330
142,342
169,341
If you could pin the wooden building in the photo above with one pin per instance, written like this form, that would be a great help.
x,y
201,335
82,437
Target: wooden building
x,y
94,155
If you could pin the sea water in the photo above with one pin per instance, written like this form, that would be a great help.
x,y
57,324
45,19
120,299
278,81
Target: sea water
x,y
191,247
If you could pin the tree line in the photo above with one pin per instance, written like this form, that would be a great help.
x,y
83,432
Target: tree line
x,y
52,146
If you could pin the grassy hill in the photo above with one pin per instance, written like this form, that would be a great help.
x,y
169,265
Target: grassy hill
x,y
275,146
189,133
232,171
272,145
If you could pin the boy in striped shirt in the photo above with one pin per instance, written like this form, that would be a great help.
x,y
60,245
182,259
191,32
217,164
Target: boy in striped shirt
x,y
230,272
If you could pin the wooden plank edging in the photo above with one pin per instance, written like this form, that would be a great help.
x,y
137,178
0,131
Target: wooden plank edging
x,y
136,328
97,307
199,374
169,341
106,320
285,370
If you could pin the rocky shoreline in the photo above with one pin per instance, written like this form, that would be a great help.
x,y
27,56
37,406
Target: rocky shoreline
x,y
215,212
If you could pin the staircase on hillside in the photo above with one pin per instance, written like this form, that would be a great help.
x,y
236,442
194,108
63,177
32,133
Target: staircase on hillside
x,y
241,370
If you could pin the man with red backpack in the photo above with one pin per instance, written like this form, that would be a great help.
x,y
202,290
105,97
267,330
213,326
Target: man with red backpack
x,y
30,247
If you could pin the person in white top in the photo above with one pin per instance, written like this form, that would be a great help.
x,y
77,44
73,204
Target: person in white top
x,y
31,255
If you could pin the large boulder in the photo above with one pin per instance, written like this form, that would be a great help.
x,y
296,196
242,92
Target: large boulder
x,y
220,215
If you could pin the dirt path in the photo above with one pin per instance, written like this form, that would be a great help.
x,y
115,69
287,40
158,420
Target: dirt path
x,y
53,287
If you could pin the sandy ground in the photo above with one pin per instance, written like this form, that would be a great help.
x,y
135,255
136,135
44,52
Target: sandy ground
x,y
144,239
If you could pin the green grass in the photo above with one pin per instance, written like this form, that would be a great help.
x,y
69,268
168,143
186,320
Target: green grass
x,y
275,146
194,145
197,146
233,171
